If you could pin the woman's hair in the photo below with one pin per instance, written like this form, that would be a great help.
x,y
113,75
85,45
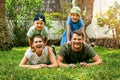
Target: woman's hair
x,y
36,36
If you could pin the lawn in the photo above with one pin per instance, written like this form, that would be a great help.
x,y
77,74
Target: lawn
x,y
110,70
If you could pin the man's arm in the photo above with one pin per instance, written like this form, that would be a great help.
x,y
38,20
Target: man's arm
x,y
60,62
96,61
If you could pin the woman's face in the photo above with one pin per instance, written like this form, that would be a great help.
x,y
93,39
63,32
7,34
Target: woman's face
x,y
37,43
75,17
39,25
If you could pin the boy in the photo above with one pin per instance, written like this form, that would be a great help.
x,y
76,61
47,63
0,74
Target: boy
x,y
38,28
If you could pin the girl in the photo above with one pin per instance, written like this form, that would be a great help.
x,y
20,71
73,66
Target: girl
x,y
74,22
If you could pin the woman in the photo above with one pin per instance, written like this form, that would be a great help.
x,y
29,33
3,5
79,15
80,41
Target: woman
x,y
40,56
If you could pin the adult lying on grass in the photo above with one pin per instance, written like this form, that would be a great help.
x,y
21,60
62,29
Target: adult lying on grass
x,y
40,56
77,52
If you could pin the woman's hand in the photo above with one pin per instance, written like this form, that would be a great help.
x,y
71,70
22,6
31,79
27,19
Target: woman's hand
x,y
43,65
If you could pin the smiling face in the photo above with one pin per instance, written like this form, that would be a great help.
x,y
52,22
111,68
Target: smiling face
x,y
75,17
77,41
37,43
39,24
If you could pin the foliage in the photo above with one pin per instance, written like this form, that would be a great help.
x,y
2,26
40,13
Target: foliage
x,y
111,19
19,14
110,70
61,16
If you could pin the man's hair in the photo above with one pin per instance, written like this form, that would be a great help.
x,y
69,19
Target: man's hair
x,y
79,33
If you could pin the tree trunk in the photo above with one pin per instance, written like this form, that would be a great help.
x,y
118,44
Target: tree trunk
x,y
5,36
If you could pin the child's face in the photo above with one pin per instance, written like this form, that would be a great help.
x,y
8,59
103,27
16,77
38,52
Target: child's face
x,y
75,17
39,25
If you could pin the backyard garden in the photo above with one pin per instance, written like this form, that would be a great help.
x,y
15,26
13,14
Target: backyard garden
x,y
17,17
109,70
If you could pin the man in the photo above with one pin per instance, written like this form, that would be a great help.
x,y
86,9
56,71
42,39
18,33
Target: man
x,y
77,52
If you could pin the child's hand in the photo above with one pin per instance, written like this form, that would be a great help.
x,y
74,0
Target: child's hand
x,y
68,42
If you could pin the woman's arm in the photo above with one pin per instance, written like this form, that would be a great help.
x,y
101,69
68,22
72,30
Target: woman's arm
x,y
24,62
52,58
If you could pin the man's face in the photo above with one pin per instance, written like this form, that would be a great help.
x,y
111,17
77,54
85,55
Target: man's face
x,y
37,43
39,25
77,42
75,17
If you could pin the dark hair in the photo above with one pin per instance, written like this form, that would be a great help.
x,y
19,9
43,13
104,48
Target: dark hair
x,y
79,33
39,17
36,36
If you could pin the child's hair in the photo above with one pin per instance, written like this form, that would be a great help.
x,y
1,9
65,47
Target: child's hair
x,y
39,17
75,10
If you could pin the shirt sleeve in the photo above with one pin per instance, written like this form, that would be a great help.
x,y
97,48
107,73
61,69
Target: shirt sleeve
x,y
91,53
30,32
28,53
81,23
68,21
63,51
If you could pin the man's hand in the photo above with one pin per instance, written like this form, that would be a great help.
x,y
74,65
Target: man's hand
x,y
83,64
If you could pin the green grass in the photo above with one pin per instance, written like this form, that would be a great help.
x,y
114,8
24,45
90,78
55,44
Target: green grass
x,y
110,70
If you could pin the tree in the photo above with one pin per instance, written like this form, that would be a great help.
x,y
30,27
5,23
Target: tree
x,y
111,18
20,14
6,42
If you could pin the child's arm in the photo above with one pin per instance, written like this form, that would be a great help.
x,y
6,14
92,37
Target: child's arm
x,y
30,41
68,34
45,41
83,30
